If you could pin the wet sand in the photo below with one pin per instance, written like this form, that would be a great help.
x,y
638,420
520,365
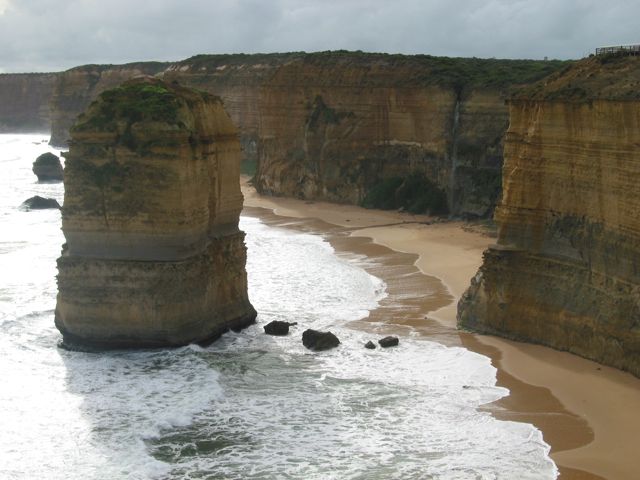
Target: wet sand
x,y
588,413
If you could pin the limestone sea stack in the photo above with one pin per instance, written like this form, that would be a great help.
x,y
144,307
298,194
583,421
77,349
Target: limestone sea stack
x,y
565,271
154,256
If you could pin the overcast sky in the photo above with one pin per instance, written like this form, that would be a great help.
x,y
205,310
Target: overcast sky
x,y
52,35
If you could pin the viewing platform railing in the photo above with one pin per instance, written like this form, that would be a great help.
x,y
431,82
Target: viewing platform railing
x,y
623,49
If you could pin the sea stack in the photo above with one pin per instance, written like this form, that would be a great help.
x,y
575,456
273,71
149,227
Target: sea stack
x,y
153,256
48,168
565,271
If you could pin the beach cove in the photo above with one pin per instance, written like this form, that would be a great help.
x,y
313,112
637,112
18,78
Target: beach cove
x,y
587,412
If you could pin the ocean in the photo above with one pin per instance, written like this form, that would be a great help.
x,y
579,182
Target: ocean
x,y
249,406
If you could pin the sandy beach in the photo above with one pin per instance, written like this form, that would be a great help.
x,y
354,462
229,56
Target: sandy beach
x,y
588,413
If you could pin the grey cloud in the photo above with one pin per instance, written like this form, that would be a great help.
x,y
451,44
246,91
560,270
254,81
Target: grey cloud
x,y
40,35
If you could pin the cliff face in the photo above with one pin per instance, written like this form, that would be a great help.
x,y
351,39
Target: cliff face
x,y
566,268
152,200
333,126
24,102
237,80
76,88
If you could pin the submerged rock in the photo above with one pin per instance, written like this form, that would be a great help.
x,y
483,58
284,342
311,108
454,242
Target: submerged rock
x,y
48,168
316,340
387,342
154,255
40,203
370,345
278,328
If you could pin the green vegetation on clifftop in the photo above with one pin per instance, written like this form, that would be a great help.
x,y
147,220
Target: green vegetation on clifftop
x,y
603,77
458,73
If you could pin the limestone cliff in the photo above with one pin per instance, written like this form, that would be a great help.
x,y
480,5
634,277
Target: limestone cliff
x,y
154,255
566,268
237,80
24,102
334,126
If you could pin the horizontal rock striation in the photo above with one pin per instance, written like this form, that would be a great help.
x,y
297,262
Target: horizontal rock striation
x,y
333,125
154,256
566,268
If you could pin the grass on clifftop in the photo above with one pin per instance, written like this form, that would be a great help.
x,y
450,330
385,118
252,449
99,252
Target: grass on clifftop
x,y
392,69
456,72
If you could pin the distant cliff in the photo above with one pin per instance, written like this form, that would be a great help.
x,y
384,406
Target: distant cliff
x,y
24,102
153,253
566,268
335,125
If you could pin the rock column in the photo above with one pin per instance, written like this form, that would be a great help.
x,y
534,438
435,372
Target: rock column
x,y
154,256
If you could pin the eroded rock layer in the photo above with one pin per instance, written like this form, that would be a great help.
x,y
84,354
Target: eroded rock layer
x,y
154,255
566,268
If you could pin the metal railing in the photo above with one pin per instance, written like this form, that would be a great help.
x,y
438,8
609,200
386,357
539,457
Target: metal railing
x,y
622,49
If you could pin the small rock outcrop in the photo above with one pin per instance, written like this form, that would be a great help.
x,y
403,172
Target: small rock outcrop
x,y
278,328
370,345
387,342
48,168
154,255
40,203
318,341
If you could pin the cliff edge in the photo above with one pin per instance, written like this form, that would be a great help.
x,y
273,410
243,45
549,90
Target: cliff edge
x,y
565,271
154,256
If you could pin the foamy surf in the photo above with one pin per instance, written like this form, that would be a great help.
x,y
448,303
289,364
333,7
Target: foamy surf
x,y
250,405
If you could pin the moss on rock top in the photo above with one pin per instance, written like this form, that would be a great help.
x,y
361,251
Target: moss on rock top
x,y
139,100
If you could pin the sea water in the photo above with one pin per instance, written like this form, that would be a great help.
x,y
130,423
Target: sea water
x,y
250,406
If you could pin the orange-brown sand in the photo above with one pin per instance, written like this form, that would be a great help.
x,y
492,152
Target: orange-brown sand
x,y
588,413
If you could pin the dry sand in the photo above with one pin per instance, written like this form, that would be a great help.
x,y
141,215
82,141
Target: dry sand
x,y
588,413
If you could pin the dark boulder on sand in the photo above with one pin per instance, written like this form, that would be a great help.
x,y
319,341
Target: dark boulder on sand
x,y
278,327
40,203
48,168
388,342
315,340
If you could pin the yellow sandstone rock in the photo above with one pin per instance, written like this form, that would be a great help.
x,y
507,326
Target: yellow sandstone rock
x,y
566,268
154,256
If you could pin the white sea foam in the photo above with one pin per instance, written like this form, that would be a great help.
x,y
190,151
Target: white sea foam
x,y
250,405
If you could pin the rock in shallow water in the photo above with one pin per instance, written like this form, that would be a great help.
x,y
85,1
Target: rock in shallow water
x,y
40,203
48,168
278,328
370,345
318,341
388,342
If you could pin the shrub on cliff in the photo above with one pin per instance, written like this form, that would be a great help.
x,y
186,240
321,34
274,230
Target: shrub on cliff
x,y
415,194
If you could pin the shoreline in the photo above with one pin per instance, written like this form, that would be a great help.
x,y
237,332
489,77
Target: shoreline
x,y
592,434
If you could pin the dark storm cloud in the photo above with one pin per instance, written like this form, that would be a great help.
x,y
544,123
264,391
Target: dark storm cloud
x,y
39,35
